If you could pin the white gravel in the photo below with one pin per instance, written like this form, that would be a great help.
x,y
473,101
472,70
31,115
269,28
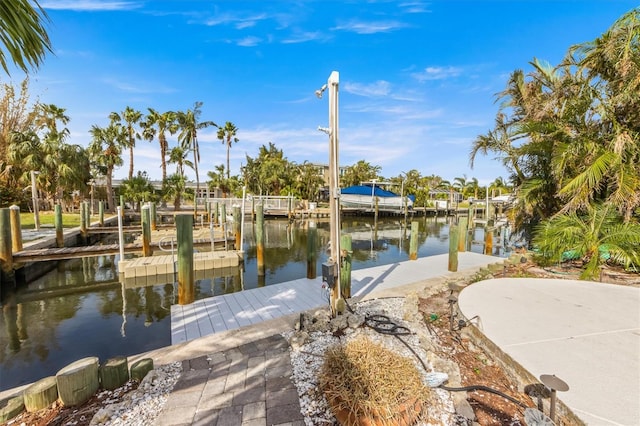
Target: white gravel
x,y
307,361
142,406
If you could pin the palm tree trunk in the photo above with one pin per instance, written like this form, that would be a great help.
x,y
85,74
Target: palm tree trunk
x,y
163,154
110,197
195,198
228,146
130,161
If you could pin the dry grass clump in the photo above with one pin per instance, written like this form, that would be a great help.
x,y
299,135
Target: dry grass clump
x,y
367,384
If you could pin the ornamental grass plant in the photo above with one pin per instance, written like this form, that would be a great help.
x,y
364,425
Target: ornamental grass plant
x,y
367,384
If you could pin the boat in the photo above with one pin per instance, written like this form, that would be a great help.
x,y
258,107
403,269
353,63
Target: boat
x,y
367,195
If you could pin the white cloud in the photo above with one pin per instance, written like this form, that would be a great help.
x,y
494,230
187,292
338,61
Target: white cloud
x,y
89,5
303,37
361,27
379,88
249,41
437,73
238,21
137,87
414,7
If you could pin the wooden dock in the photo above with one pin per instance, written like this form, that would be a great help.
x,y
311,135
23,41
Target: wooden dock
x,y
162,265
63,253
252,306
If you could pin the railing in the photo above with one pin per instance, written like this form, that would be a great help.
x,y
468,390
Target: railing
x,y
269,202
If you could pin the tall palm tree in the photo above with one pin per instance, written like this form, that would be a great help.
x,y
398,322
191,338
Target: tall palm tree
x,y
23,34
55,168
129,119
189,123
227,135
160,124
105,151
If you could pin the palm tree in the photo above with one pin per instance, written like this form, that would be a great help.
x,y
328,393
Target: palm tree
x,y
174,188
218,180
54,166
130,117
23,35
611,157
309,181
178,156
360,172
227,135
189,123
105,151
160,124
590,237
138,189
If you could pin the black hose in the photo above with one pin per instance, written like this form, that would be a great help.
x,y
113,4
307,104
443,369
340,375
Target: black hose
x,y
383,325
483,388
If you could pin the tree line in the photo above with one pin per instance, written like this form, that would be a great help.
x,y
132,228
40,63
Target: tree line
x,y
568,134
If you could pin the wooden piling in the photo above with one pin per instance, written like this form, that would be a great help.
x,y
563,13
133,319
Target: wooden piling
x,y
237,223
208,207
101,212
186,283
122,204
413,244
154,216
453,248
16,228
6,253
146,231
375,214
260,239
345,266
216,213
84,222
488,240
312,241
462,234
223,213
57,221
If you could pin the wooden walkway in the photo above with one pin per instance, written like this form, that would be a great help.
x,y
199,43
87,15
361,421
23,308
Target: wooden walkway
x,y
47,254
249,307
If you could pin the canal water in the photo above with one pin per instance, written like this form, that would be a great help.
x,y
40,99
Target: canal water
x,y
82,309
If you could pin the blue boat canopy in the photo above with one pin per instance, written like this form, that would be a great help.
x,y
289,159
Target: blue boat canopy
x,y
366,190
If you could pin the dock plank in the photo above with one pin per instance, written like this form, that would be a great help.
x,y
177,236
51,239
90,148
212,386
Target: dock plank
x,y
230,311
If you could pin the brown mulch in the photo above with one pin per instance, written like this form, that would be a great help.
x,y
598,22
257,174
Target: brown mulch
x,y
58,415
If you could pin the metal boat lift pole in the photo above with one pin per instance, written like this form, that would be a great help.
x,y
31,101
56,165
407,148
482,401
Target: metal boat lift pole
x,y
334,186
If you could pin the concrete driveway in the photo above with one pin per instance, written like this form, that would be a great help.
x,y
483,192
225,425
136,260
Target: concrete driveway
x,y
586,333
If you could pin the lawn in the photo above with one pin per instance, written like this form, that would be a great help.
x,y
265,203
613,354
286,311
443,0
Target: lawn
x,y
69,220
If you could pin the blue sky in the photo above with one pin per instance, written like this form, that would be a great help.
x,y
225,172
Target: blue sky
x,y
417,79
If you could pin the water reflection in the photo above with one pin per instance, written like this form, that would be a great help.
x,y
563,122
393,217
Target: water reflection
x,y
82,309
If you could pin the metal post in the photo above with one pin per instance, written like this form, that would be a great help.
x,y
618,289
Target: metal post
x,y
334,184
34,197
